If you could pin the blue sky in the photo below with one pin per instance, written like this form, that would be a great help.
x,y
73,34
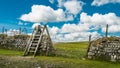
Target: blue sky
x,y
67,20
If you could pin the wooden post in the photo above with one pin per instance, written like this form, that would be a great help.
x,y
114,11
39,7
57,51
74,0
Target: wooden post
x,y
106,35
6,31
3,30
89,44
24,30
90,39
49,35
20,30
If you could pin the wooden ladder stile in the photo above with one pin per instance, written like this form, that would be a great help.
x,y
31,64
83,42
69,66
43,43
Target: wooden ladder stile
x,y
39,41
36,42
28,43
31,41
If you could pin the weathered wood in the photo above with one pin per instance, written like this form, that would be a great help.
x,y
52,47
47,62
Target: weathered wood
x,y
106,31
88,49
36,44
28,44
39,41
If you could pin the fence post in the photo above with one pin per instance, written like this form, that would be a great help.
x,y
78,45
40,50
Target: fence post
x,y
89,44
24,30
3,30
106,35
20,30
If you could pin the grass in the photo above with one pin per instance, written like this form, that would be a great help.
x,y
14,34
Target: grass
x,y
68,55
6,52
74,50
78,63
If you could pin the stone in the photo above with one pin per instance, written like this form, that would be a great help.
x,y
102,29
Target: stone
x,y
91,53
111,49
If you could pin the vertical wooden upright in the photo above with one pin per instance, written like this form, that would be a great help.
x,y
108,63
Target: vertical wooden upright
x,y
106,34
89,44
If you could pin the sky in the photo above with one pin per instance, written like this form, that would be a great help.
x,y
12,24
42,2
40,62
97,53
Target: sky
x,y
67,20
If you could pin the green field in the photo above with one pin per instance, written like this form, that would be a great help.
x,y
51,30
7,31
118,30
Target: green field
x,y
67,55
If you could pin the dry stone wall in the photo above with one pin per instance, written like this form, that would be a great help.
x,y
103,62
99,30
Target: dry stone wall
x,y
106,50
17,42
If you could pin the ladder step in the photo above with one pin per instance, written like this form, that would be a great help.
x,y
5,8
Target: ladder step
x,y
33,48
37,35
31,51
33,44
36,38
34,41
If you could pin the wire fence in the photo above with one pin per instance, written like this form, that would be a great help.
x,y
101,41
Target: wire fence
x,y
20,30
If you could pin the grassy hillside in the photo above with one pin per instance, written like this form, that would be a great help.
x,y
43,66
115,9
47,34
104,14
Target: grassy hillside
x,y
68,55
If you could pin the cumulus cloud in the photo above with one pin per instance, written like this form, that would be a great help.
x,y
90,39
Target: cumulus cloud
x,y
100,21
71,6
73,37
102,2
54,30
71,33
112,28
41,13
70,28
81,31
74,6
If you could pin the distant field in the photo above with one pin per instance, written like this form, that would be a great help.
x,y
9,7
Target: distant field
x,y
67,55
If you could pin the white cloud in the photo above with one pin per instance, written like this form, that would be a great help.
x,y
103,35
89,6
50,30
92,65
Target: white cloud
x,y
51,1
71,33
80,32
12,32
100,21
41,13
54,30
112,28
73,37
73,7
69,28
102,2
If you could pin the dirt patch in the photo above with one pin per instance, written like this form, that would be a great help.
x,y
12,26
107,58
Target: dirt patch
x,y
18,62
28,62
